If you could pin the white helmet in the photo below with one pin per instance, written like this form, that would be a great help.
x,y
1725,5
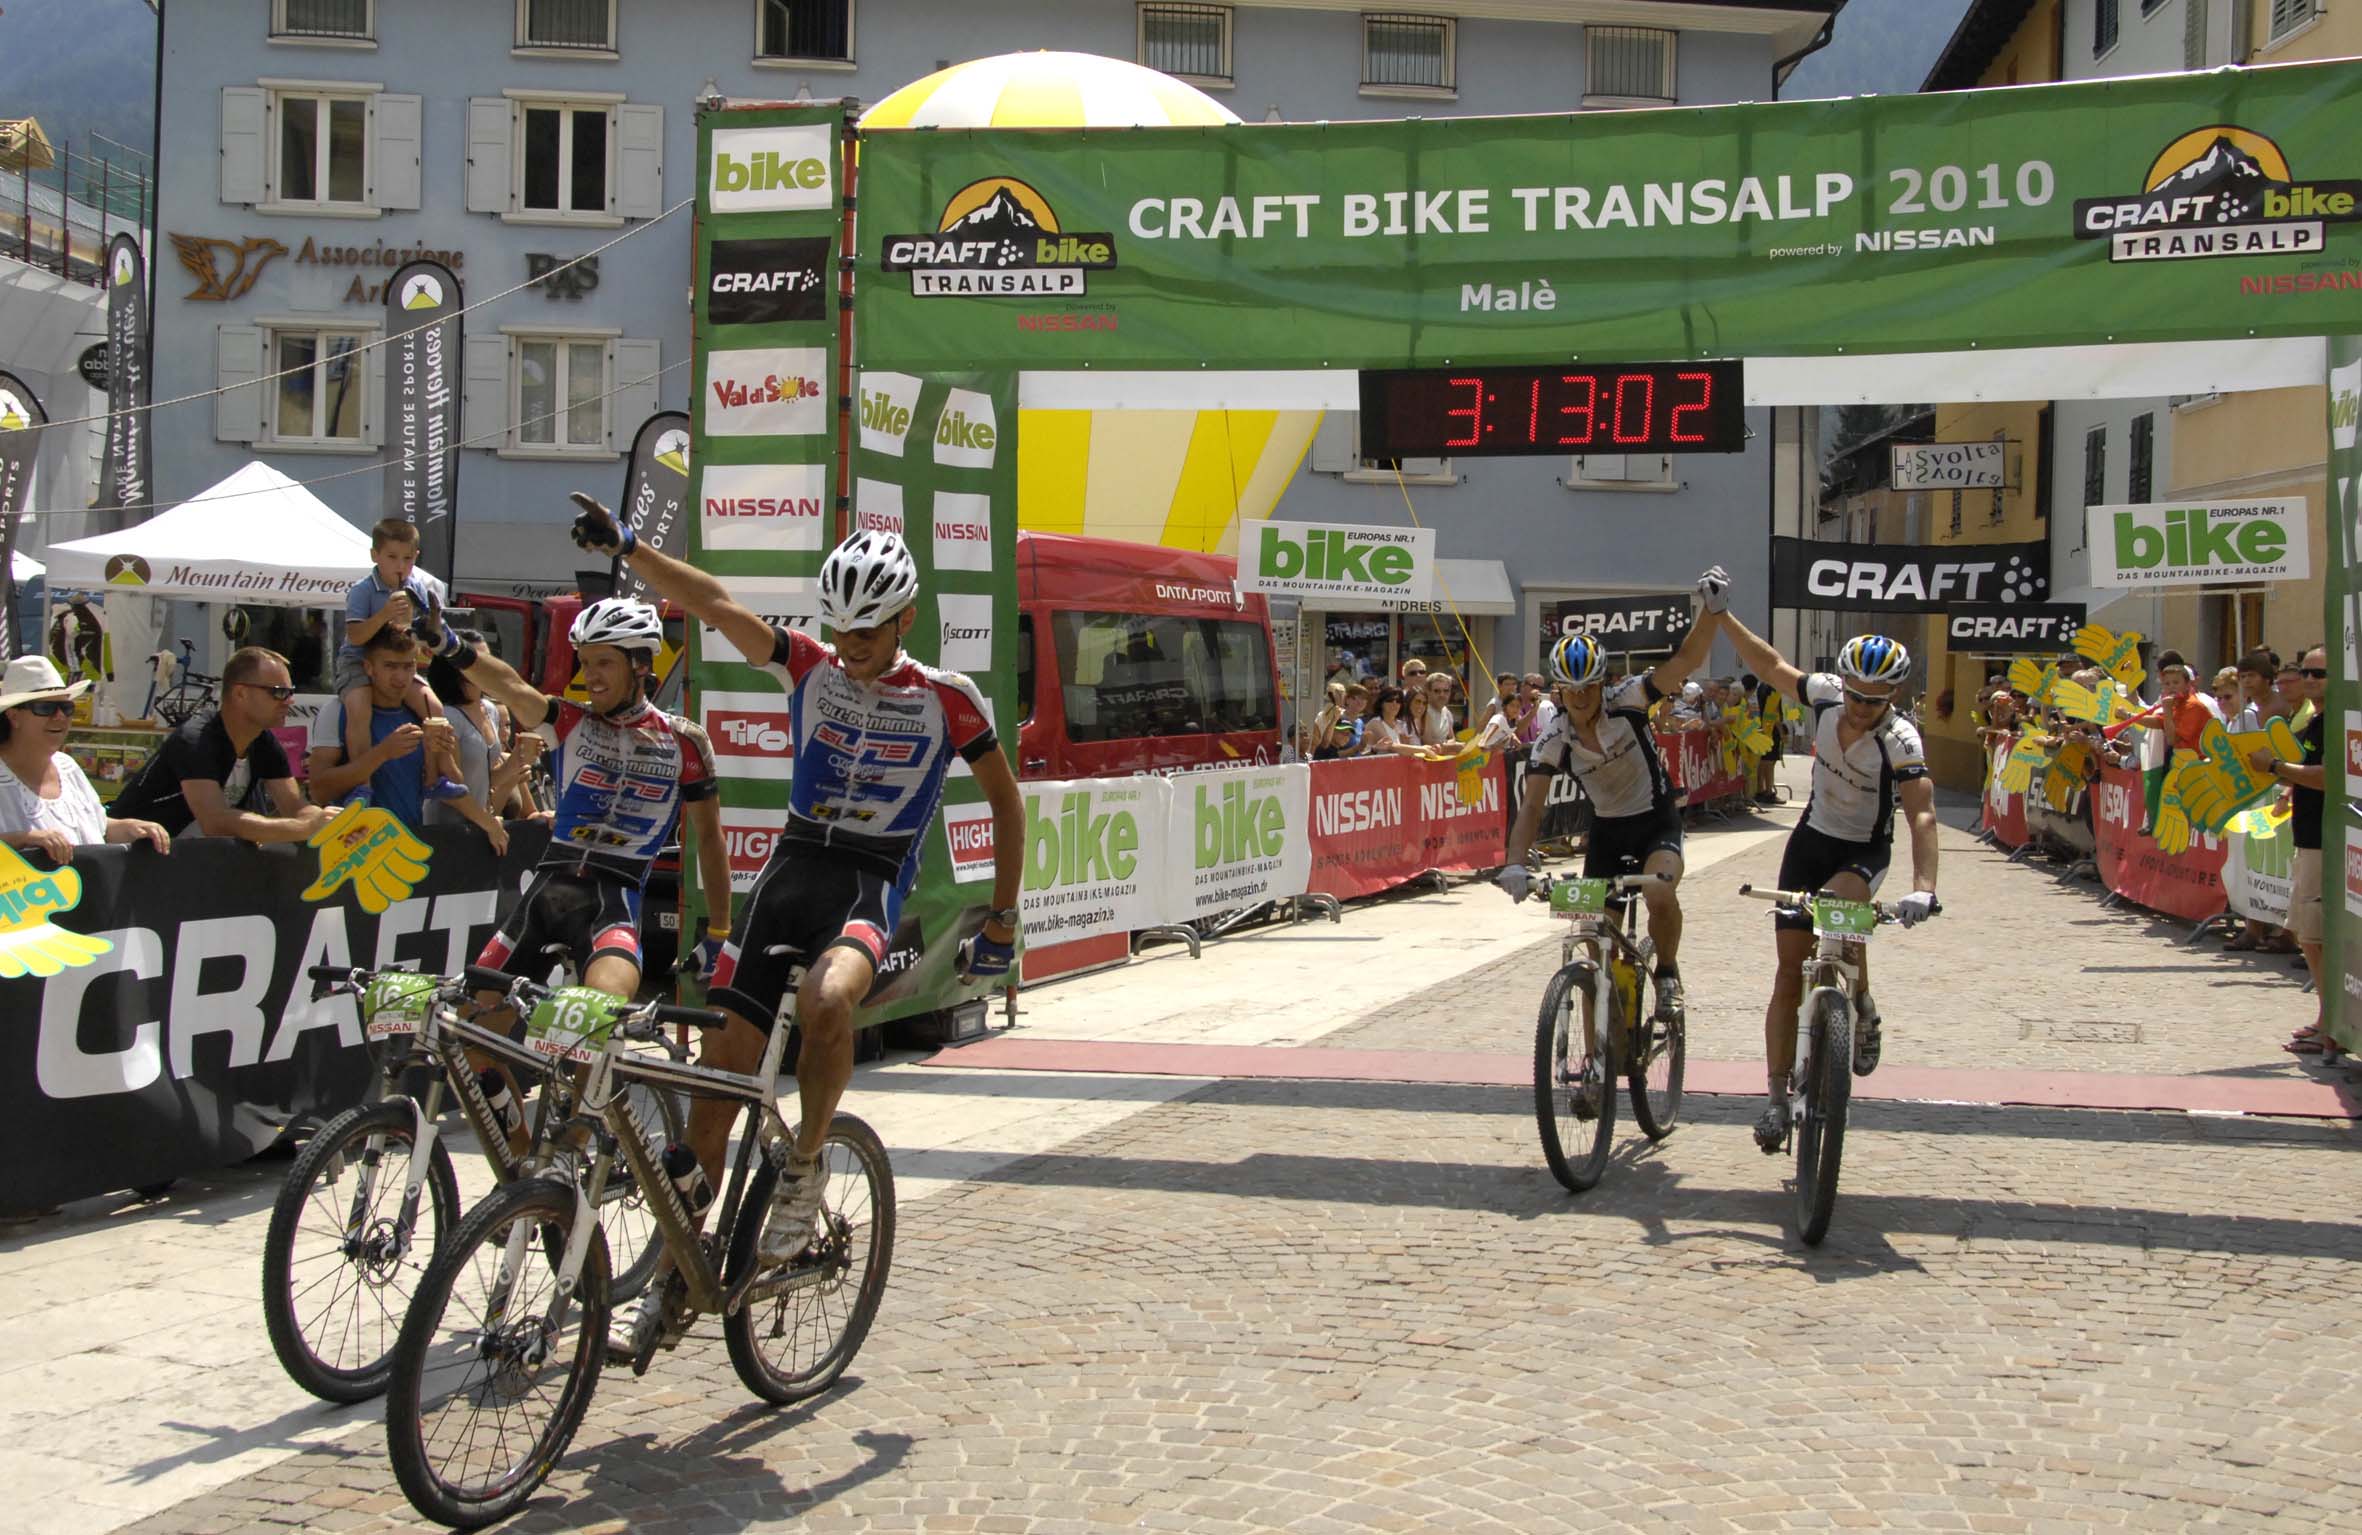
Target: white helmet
x,y
866,580
1874,658
624,622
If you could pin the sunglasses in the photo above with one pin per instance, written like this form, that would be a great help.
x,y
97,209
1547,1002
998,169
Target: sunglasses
x,y
2314,672
47,708
1853,697
279,691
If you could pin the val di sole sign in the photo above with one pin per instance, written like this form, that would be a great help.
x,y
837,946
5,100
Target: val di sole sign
x,y
2158,209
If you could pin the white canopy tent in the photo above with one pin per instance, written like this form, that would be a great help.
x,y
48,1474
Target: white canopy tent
x,y
257,537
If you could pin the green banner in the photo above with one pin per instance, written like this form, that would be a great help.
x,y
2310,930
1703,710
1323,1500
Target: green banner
x,y
2341,831
2157,209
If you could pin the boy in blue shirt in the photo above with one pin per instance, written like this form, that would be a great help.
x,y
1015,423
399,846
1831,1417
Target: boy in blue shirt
x,y
399,596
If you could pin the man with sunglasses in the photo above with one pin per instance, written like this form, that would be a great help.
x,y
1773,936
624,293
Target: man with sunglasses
x,y
217,772
1866,757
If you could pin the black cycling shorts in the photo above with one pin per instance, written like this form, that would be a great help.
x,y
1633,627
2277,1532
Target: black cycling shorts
x,y
1814,858
590,913
811,899
1616,838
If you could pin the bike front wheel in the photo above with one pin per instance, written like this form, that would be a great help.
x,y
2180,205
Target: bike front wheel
x,y
347,1249
495,1368
1572,1075
634,1243
1660,1056
1820,1138
793,1342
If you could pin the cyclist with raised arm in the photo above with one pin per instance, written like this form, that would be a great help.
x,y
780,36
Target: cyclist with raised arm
x,y
1866,757
1602,736
873,733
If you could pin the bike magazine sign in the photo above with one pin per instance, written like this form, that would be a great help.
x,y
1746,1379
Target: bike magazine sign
x,y
2122,211
1317,561
1095,855
1906,578
2198,543
423,328
1236,837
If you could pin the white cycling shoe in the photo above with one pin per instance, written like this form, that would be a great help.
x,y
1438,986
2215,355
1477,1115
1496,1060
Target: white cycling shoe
x,y
795,1210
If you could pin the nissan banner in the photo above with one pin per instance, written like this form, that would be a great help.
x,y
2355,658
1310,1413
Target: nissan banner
x,y
124,475
20,416
655,494
1906,578
422,326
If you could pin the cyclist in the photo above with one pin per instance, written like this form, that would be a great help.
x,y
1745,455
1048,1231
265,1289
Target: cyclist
x,y
873,733
1601,735
1866,756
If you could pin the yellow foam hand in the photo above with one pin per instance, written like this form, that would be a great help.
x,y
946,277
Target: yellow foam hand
x,y
2172,826
2218,784
2275,738
2046,688
1756,742
2117,654
366,847
2259,821
30,943
2017,770
2024,676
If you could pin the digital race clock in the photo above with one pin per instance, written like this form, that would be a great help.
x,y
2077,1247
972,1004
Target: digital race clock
x,y
1636,407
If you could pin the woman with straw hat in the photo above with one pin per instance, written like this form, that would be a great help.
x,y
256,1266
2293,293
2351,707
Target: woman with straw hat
x,y
46,803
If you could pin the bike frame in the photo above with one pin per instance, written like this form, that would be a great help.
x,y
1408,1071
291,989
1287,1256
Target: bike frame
x,y
1596,944
1831,970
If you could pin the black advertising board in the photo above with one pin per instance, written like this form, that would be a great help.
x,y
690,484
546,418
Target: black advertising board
x,y
1906,578
768,282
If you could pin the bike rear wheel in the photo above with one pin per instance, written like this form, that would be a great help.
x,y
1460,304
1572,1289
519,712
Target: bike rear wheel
x,y
794,1344
492,1375
1820,1137
1576,1148
341,1261
1660,1057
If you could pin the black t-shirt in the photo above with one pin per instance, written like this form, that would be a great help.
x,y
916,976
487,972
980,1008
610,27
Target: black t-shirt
x,y
2304,805
200,749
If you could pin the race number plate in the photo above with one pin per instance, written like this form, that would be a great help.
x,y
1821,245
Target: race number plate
x,y
572,1023
396,1003
1833,918
1578,900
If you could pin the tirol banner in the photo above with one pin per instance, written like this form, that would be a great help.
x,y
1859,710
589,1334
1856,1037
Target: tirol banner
x,y
1642,624
20,414
656,494
2341,829
1906,578
192,1039
124,473
2005,629
2116,211
423,327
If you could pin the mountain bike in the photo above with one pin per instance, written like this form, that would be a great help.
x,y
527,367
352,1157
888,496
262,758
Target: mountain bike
x,y
367,1203
191,694
502,1349
1820,1085
1604,974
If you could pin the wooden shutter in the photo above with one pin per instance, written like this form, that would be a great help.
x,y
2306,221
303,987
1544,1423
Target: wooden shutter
x,y
393,152
244,114
237,360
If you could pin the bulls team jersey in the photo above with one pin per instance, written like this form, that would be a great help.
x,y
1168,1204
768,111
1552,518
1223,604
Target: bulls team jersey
x,y
870,759
1853,796
621,781
1625,777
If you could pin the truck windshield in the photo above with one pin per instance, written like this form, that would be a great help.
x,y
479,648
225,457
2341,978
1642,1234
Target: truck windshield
x,y
1129,675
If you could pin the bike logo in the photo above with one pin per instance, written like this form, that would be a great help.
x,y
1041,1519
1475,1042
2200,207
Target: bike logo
x,y
2220,190
999,238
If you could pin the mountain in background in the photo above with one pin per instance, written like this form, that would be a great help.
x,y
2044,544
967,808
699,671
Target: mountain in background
x,y
81,67
1882,46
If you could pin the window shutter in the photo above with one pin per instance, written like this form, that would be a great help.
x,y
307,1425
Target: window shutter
x,y
1333,442
490,128
1649,468
373,387
393,156
638,192
243,110
1599,466
237,359
484,392
632,373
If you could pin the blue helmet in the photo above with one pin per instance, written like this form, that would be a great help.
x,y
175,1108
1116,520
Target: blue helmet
x,y
1874,658
1577,661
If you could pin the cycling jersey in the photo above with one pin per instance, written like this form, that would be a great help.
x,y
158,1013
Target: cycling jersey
x,y
870,758
621,781
1853,795
1625,777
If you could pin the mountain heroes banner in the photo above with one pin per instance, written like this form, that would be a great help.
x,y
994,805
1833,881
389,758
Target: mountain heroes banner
x,y
2162,208
656,494
1906,578
2341,830
1623,624
423,328
125,471
20,414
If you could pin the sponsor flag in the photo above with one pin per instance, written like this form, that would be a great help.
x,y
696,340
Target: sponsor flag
x,y
656,494
125,471
422,360
20,416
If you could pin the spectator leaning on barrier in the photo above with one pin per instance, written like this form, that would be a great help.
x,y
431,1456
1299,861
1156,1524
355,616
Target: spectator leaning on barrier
x,y
1386,731
2183,713
1433,716
2307,781
1328,715
46,801
214,771
398,743
494,776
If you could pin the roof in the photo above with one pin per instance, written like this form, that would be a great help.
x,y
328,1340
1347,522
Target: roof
x,y
257,537
1985,29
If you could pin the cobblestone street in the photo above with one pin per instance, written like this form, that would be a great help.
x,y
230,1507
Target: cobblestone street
x,y
1349,1305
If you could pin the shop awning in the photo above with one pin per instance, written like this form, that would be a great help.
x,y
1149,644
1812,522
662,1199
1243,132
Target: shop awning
x,y
1473,588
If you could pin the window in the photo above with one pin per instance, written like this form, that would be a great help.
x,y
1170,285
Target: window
x,y
2288,15
1192,41
1628,63
1336,449
317,399
2103,26
2141,466
560,394
804,29
577,25
345,19
1128,675
1411,54
562,159
322,149
2148,6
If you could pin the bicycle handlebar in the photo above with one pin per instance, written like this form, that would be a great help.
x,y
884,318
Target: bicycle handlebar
x,y
1798,900
1615,882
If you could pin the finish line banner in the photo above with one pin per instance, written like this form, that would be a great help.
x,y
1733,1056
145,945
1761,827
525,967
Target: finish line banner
x,y
2161,209
1906,578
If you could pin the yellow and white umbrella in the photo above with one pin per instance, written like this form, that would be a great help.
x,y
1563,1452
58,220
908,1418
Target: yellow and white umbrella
x,y
1182,478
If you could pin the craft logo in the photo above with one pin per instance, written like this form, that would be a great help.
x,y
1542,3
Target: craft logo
x,y
998,238
773,392
771,170
127,570
2221,190
766,282
763,506
422,290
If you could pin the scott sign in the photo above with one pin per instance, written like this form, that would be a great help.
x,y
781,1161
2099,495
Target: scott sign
x,y
2199,543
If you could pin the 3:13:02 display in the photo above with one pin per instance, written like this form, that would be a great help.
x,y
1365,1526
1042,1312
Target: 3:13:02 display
x,y
1691,407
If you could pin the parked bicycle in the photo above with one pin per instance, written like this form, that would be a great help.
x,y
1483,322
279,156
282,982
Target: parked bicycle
x,y
192,691
502,1349
1820,1085
1596,1026
368,1201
